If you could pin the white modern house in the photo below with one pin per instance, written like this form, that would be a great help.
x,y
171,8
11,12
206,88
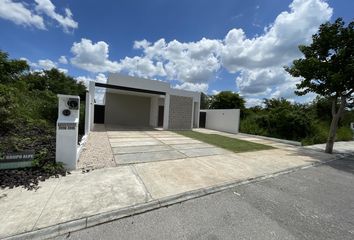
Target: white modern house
x,y
138,102
131,102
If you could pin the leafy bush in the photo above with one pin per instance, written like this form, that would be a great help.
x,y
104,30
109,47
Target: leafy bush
x,y
29,110
308,123
345,134
279,119
8,108
319,134
251,125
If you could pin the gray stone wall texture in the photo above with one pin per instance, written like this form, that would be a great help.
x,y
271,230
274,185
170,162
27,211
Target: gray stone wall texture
x,y
180,112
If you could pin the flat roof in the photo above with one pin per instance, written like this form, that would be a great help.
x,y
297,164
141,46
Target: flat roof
x,y
143,85
111,86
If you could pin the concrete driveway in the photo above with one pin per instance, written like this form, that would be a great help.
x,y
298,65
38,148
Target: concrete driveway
x,y
130,147
115,146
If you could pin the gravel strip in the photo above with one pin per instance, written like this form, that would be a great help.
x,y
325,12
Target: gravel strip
x,y
97,152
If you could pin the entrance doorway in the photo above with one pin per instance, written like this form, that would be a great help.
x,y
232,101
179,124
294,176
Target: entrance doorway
x,y
99,114
202,119
160,116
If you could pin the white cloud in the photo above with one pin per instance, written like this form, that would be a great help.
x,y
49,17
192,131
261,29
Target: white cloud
x,y
19,13
215,92
141,67
193,62
188,62
141,44
251,102
46,64
93,57
279,43
48,8
261,81
98,78
63,60
258,61
63,70
197,87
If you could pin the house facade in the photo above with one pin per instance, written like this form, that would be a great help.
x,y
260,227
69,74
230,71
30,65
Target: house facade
x,y
138,102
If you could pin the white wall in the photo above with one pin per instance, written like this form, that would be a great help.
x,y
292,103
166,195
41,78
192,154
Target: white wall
x,y
226,120
135,82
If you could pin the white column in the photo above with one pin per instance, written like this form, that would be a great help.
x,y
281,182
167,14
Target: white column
x,y
192,114
196,115
87,113
67,131
166,114
154,108
92,103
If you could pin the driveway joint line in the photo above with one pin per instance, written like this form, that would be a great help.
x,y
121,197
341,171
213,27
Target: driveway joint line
x,y
136,174
165,160
169,145
110,148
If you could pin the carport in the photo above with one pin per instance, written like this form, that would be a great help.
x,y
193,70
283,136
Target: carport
x,y
142,103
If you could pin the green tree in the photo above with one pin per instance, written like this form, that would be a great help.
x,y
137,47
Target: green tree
x,y
274,103
327,69
10,70
204,101
227,100
54,81
321,107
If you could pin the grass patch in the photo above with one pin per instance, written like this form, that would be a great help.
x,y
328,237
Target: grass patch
x,y
232,144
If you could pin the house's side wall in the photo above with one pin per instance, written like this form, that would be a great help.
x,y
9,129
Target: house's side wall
x,y
226,120
181,112
127,110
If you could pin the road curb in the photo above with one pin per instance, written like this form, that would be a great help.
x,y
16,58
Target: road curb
x,y
93,220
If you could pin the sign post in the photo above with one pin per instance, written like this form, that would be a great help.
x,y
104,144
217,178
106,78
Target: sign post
x,y
67,131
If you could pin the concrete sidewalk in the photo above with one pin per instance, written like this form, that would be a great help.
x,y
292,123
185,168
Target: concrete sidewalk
x,y
314,203
339,147
81,199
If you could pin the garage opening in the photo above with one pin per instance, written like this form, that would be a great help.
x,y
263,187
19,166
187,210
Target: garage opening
x,y
127,109
131,107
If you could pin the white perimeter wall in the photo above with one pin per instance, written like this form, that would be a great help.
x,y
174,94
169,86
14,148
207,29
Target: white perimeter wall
x,y
226,120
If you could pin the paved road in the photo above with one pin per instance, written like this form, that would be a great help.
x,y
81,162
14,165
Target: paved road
x,y
315,203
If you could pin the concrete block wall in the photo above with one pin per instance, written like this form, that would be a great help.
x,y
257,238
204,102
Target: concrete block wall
x,y
181,109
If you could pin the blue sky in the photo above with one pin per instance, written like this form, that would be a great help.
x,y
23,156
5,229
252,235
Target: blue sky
x,y
207,45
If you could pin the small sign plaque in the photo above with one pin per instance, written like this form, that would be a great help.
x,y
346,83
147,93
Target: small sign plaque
x,y
16,159
66,126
